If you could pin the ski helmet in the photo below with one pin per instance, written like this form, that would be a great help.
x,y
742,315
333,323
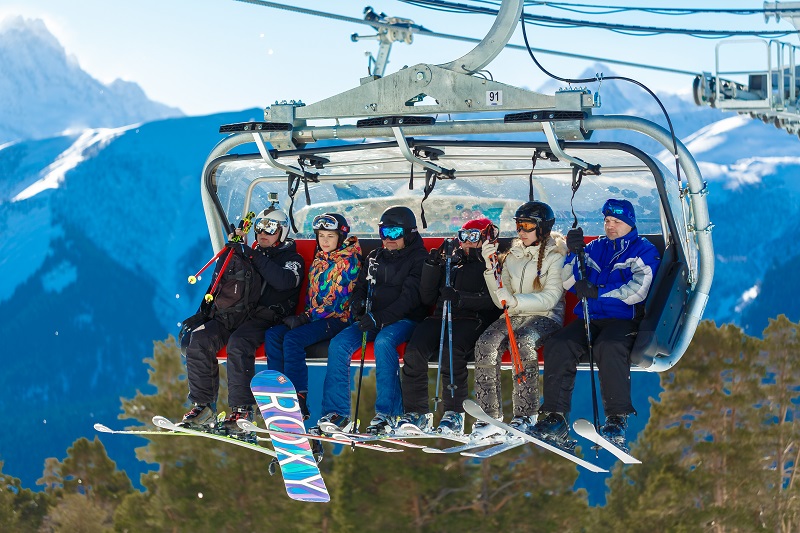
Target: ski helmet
x,y
272,220
538,212
480,224
399,216
332,222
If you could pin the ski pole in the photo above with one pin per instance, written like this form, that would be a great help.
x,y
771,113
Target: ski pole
x,y
582,267
244,225
448,264
193,279
447,252
519,370
210,296
367,309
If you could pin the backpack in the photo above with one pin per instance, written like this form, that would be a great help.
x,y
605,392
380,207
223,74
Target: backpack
x,y
237,293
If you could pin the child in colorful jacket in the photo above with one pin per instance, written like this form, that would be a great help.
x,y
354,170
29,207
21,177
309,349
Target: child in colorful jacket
x,y
331,279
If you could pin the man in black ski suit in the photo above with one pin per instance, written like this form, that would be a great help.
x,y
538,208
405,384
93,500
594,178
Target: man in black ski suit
x,y
472,310
281,269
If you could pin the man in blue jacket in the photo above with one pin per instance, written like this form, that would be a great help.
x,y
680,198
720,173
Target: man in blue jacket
x,y
620,268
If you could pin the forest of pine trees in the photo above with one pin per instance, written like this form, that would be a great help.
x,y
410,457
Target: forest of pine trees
x,y
718,454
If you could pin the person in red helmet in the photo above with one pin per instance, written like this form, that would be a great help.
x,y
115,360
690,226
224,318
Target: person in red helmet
x,y
472,310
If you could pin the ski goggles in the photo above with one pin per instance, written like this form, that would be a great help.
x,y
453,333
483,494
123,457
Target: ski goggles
x,y
325,222
391,232
268,226
470,235
527,227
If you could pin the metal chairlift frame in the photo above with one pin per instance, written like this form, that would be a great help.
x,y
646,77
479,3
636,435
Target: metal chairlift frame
x,y
566,118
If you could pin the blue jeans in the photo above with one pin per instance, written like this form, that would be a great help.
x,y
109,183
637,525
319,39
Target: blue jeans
x,y
286,348
389,399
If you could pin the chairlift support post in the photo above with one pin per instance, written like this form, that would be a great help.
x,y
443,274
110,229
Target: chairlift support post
x,y
566,118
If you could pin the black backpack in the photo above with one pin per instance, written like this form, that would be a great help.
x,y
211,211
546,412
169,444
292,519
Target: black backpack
x,y
237,293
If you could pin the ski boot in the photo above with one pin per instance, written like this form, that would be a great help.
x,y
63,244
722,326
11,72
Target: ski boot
x,y
332,423
230,427
414,423
302,402
381,424
201,417
553,428
522,423
614,430
484,430
452,423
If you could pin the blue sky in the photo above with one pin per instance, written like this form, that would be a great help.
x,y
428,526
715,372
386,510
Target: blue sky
x,y
206,56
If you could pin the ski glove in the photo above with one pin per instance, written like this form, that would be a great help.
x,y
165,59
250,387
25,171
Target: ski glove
x,y
239,248
357,308
449,293
368,323
585,289
434,257
487,250
296,321
575,242
504,294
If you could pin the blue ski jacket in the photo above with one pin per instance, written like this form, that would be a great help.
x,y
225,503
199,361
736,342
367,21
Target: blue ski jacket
x,y
623,270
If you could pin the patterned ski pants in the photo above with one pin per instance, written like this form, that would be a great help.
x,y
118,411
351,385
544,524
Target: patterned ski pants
x,y
530,332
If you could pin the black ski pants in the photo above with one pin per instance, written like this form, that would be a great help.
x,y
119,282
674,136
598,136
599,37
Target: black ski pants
x,y
423,347
201,360
612,341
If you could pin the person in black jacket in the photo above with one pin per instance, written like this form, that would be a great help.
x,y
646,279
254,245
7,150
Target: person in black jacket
x,y
281,268
472,310
386,303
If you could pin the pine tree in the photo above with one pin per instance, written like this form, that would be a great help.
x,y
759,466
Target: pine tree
x,y
698,449
20,509
779,439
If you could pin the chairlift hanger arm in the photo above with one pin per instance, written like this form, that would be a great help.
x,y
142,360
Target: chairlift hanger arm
x,y
402,144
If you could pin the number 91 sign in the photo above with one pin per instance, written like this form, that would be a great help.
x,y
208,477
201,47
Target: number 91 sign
x,y
494,98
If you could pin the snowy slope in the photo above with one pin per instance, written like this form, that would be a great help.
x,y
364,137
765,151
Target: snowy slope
x,y
45,93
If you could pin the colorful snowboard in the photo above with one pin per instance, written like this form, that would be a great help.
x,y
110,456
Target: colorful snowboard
x,y
277,401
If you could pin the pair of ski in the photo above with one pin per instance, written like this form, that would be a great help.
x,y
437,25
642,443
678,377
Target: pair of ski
x,y
582,427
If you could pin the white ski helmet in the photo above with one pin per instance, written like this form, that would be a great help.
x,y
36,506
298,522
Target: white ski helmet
x,y
272,219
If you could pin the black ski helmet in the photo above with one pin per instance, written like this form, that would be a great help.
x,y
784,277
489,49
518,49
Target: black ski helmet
x,y
400,215
538,212
341,226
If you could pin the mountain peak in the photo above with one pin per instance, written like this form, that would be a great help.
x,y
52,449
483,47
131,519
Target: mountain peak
x,y
39,77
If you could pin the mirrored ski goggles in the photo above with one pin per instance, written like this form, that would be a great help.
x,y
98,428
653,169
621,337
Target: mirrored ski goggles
x,y
470,235
527,227
268,226
325,222
391,232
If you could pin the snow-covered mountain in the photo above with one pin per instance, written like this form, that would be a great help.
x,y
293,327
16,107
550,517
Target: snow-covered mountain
x,y
44,92
100,228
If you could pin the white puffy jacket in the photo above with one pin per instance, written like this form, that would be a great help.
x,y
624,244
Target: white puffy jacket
x,y
519,273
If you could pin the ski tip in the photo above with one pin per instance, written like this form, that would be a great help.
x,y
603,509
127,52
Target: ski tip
x,y
102,428
246,425
162,422
432,450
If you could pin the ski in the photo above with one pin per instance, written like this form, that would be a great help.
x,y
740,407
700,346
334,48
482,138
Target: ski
x,y
351,438
165,423
417,434
249,426
491,441
508,444
475,410
277,401
102,428
586,429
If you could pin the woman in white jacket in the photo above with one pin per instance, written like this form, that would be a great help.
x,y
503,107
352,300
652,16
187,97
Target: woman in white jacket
x,y
534,296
